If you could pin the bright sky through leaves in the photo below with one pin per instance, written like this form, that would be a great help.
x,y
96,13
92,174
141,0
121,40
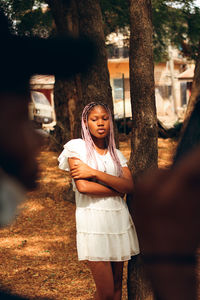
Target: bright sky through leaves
x,y
197,2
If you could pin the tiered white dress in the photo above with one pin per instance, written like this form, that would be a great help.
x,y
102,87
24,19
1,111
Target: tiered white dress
x,y
105,230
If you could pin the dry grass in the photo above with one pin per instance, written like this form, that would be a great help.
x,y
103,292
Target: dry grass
x,y
38,252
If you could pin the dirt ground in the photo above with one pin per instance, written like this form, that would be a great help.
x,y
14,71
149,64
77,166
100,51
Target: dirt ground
x,y
38,251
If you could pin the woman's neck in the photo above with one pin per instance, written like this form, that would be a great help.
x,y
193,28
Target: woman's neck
x,y
100,144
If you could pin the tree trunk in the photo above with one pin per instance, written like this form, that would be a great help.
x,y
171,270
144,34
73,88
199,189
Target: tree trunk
x,y
144,132
84,19
171,67
66,92
96,83
66,102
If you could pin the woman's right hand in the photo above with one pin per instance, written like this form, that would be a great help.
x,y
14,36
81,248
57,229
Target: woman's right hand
x,y
80,170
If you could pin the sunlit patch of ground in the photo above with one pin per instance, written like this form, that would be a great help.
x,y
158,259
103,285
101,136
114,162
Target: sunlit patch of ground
x,y
166,150
38,251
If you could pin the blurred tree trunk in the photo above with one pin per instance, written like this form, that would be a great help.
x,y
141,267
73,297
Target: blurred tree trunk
x,y
84,19
144,131
65,92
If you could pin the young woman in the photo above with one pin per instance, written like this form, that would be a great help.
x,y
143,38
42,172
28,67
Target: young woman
x,y
106,235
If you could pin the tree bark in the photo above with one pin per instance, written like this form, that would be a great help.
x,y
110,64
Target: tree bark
x,y
83,19
66,94
144,131
96,83
80,19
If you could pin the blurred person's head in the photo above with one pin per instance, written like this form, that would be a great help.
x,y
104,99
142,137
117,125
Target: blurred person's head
x,y
22,57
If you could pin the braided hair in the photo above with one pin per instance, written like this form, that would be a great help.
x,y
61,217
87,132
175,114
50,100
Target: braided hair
x,y
110,142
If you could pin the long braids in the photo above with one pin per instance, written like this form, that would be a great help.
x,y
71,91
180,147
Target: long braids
x,y
110,141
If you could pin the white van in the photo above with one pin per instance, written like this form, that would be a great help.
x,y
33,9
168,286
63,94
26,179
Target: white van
x,y
40,110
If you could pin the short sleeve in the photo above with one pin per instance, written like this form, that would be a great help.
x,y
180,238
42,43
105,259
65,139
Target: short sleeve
x,y
71,149
122,159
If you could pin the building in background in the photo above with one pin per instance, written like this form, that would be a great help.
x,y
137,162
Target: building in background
x,y
185,80
171,91
173,81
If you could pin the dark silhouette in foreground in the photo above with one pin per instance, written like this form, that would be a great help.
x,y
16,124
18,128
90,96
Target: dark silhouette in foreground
x,y
166,211
21,57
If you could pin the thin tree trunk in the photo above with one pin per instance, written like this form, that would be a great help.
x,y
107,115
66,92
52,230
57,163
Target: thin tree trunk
x,y
144,131
171,67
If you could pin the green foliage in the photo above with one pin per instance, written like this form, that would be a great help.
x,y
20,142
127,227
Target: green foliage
x,y
19,6
115,14
159,13
184,29
27,17
35,23
174,21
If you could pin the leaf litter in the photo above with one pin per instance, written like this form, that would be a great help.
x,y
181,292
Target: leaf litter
x,y
38,256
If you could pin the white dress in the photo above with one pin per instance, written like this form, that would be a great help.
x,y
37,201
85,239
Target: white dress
x,y
105,230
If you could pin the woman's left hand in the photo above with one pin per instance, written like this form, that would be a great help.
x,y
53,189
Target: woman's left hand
x,y
80,170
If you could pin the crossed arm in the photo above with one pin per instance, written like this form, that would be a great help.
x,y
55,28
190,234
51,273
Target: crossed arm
x,y
115,186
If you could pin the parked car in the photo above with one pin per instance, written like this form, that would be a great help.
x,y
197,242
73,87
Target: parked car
x,y
40,110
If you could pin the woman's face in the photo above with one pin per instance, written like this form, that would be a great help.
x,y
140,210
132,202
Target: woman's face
x,y
98,122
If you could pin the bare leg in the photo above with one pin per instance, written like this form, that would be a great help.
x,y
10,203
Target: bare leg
x,y
103,277
117,268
